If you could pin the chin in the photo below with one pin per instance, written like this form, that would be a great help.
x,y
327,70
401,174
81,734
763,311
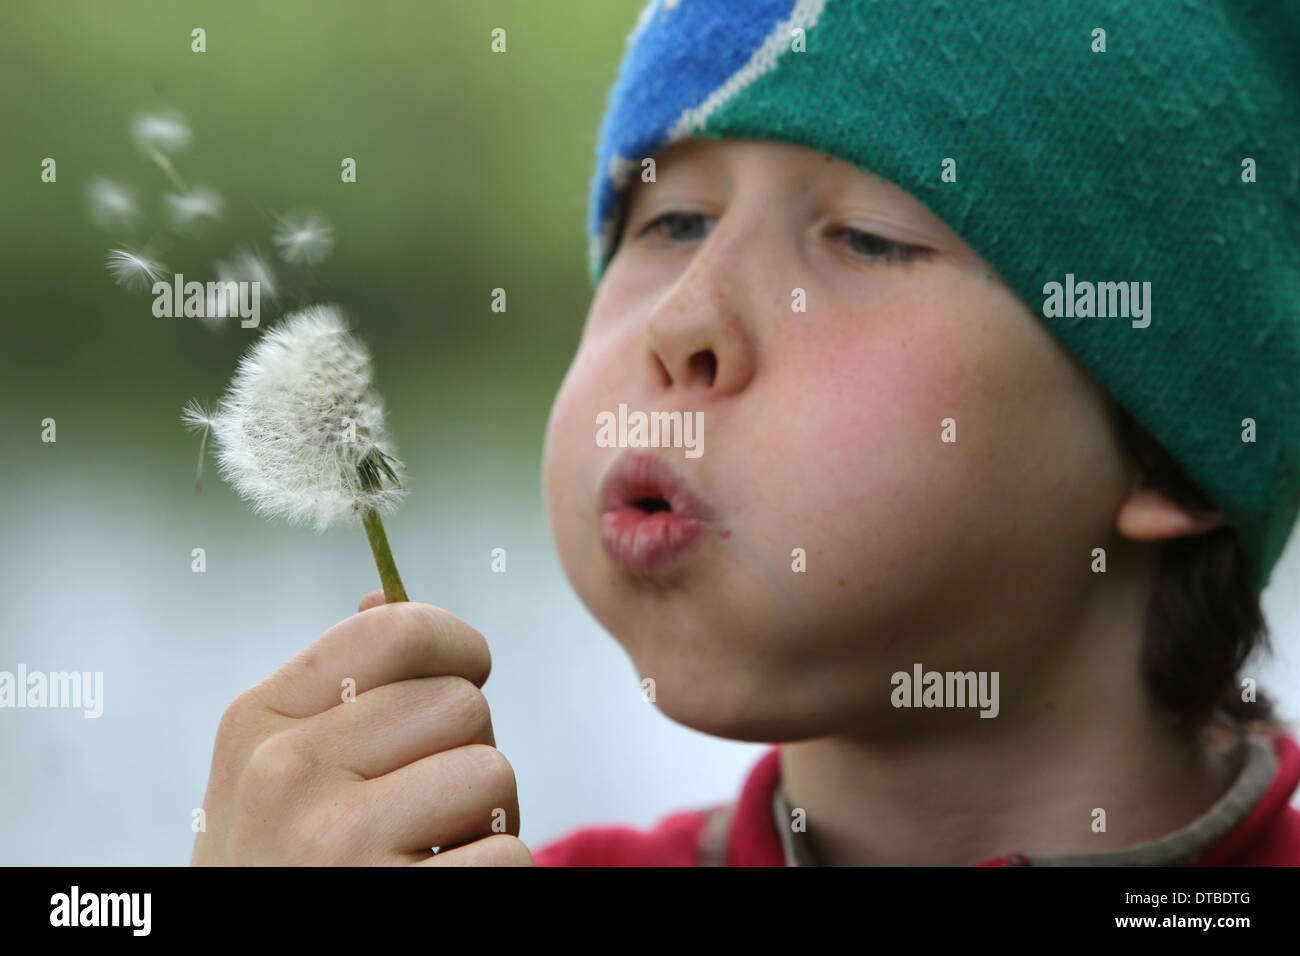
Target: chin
x,y
701,686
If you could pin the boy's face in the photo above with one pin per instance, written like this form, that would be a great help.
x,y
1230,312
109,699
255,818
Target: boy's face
x,y
823,431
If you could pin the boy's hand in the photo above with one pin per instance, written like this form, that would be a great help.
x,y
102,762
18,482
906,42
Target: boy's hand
x,y
301,776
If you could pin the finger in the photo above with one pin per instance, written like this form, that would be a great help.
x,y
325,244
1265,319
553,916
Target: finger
x,y
393,642
500,849
397,724
373,599
447,799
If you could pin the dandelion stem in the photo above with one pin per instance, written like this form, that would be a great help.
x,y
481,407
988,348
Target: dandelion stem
x,y
388,576
166,166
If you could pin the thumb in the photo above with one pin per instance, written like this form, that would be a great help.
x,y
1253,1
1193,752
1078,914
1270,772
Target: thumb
x,y
373,599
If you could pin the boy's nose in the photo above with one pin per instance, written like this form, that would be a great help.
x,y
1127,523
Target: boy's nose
x,y
697,339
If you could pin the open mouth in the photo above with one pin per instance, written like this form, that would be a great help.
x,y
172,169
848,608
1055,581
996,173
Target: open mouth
x,y
649,518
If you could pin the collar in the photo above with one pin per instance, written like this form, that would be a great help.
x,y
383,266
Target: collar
x,y
761,831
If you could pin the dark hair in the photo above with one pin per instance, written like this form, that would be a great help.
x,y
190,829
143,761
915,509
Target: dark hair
x,y
1203,617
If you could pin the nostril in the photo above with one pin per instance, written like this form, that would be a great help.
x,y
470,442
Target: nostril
x,y
705,364
657,369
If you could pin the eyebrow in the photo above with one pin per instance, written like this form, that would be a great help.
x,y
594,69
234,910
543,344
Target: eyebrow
x,y
698,161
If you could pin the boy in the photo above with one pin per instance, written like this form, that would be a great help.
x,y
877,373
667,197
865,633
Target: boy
x,y
991,329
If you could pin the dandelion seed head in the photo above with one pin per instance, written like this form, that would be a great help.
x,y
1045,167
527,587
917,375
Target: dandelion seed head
x,y
298,421
110,203
165,131
186,212
134,271
304,238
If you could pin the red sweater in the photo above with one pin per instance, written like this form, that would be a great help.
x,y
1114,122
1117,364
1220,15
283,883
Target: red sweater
x,y
745,833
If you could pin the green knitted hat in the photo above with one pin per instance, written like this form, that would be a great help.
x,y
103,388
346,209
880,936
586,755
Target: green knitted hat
x,y
1077,144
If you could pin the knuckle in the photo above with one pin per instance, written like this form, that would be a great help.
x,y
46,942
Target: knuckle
x,y
283,761
479,642
468,704
238,728
492,766
420,629
235,718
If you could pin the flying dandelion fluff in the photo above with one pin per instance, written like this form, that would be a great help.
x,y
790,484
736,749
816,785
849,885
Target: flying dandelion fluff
x,y
248,266
111,204
245,266
158,134
300,432
134,271
188,210
165,132
304,238
197,418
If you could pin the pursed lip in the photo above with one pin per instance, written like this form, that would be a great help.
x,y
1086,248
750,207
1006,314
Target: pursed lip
x,y
645,538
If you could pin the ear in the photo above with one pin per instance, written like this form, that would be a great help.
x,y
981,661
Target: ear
x,y
1147,515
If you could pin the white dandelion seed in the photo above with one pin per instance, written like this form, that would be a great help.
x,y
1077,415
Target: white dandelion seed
x,y
243,266
111,204
187,211
165,131
247,266
304,238
300,432
197,418
134,271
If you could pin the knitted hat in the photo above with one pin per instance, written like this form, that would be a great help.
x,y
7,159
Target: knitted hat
x,y
1088,145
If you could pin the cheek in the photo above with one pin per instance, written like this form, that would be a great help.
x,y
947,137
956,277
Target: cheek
x,y
564,463
864,410
572,462
858,419
857,469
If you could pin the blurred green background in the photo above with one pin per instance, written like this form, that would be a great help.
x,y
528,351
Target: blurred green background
x,y
472,174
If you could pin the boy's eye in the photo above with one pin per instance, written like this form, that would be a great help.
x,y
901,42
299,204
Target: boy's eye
x,y
681,225
693,225
870,246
